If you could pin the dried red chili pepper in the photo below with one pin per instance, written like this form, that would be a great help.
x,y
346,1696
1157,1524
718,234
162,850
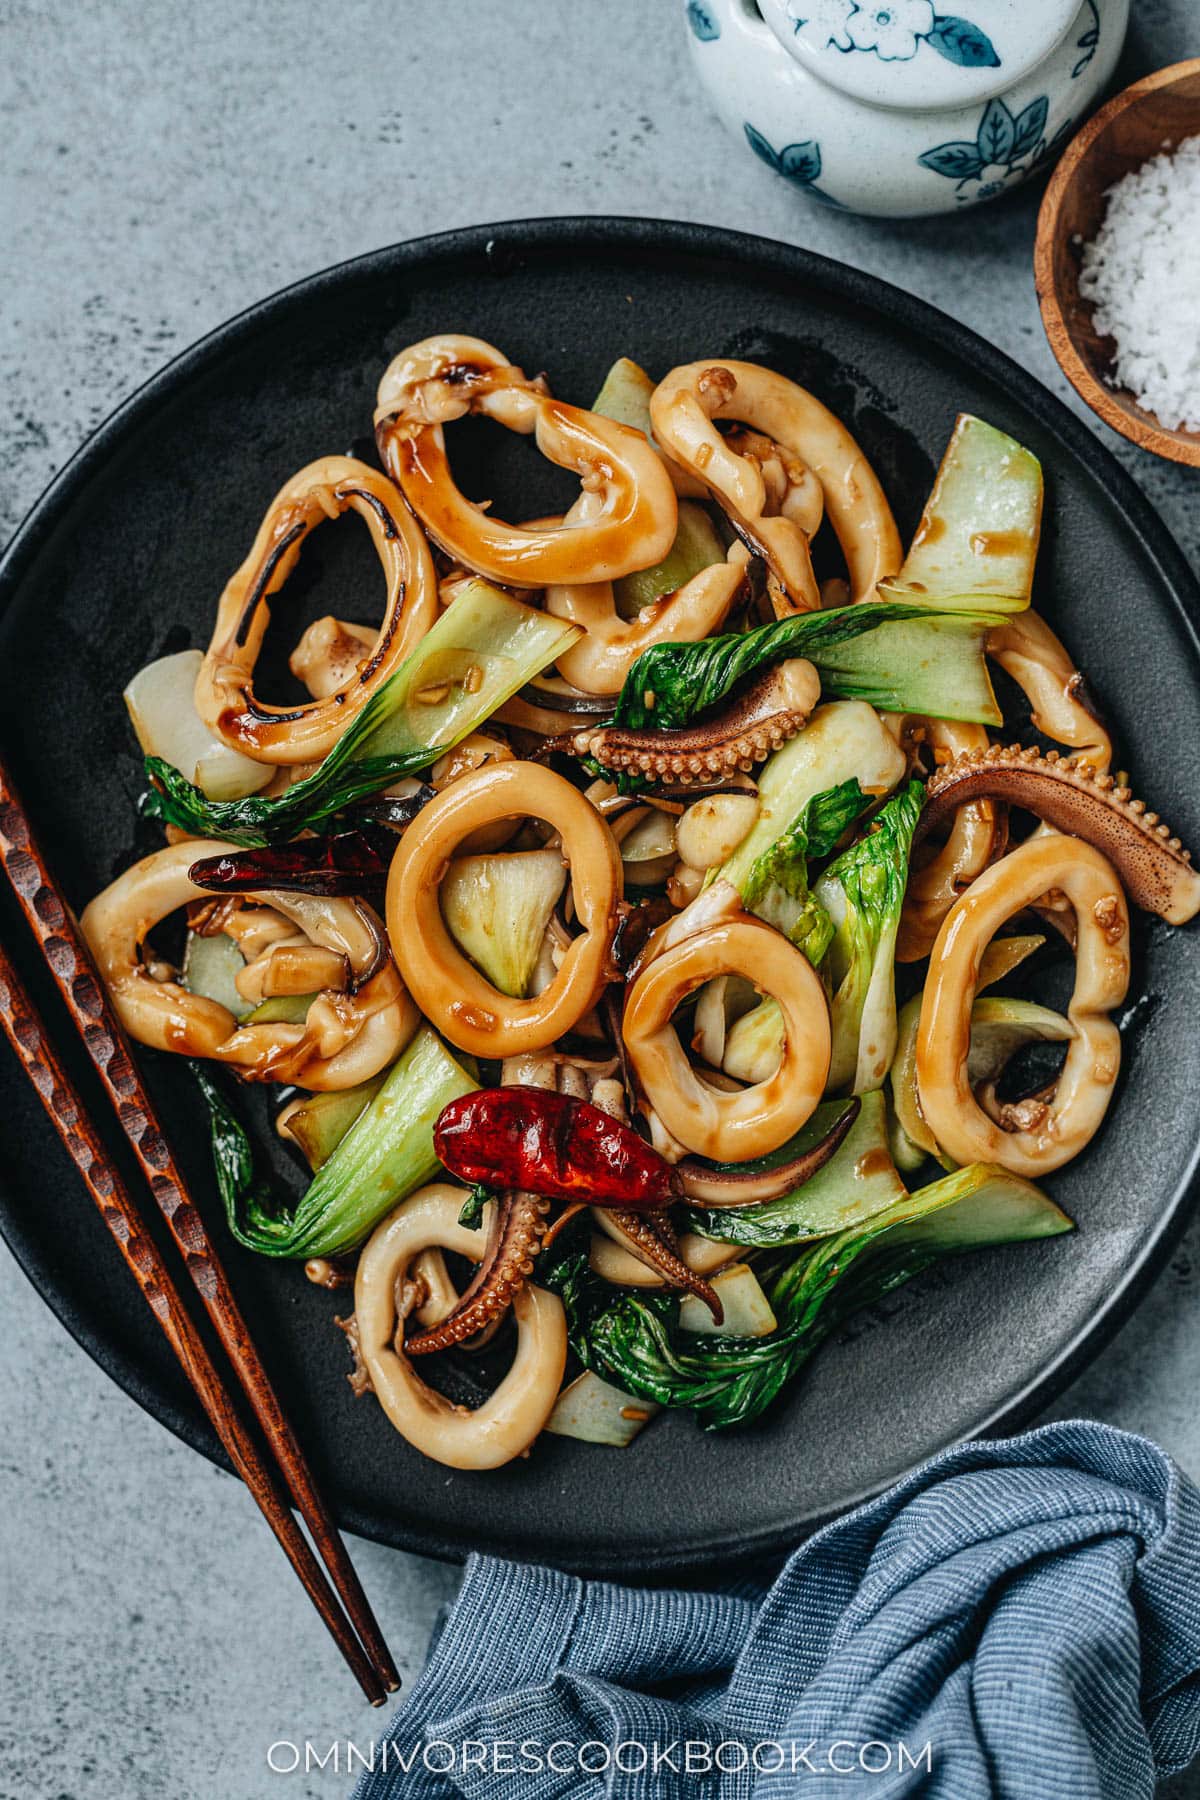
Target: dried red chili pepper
x,y
550,1144
342,863
329,866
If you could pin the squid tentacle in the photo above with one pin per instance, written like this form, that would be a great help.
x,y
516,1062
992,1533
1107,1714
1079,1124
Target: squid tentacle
x,y
773,710
1069,794
517,1230
652,1234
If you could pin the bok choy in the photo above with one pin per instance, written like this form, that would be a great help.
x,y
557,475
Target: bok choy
x,y
497,908
625,396
843,741
317,1123
162,710
978,537
696,547
211,966
594,1412
863,891
857,1182
898,656
777,889
385,1155
484,647
746,1312
635,1340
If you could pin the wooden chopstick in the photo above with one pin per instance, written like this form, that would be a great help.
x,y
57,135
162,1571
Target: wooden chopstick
x,y
25,1031
92,1013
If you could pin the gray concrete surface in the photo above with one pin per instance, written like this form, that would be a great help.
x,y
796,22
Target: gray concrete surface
x,y
162,167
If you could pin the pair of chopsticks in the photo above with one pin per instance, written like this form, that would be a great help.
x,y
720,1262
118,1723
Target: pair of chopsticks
x,y
351,1623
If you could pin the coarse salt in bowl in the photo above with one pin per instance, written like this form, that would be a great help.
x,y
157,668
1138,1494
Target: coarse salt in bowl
x,y
1141,272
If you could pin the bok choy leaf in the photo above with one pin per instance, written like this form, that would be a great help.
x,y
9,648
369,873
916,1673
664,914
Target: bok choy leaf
x,y
844,740
898,656
385,1156
635,1340
484,647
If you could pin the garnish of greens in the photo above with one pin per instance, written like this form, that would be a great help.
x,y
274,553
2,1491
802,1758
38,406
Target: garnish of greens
x,y
385,1155
484,647
897,655
635,1341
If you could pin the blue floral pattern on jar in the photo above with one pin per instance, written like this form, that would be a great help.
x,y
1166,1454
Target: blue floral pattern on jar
x,y
703,25
1004,150
798,163
892,30
1088,43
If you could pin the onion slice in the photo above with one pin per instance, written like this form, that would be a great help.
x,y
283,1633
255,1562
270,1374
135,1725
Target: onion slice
x,y
162,709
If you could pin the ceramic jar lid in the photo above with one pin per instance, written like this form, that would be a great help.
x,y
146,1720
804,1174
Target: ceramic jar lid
x,y
913,55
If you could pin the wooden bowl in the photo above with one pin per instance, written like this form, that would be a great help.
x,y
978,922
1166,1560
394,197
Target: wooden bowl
x,y
1153,114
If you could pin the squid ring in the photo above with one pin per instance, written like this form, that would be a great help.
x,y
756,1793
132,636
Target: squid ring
x,y
449,990
730,1127
444,378
1070,1118
973,839
682,410
1036,659
307,732
345,1037
511,1417
611,645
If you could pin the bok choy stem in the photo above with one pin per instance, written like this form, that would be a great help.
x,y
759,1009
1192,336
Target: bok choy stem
x,y
857,1182
863,892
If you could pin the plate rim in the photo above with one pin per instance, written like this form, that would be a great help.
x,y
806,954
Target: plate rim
x,y
506,240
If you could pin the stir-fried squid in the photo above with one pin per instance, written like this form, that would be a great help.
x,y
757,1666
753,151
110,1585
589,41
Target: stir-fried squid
x,y
353,1016
753,1121
511,1418
664,828
685,407
225,697
1040,1134
445,378
973,838
467,1007
611,645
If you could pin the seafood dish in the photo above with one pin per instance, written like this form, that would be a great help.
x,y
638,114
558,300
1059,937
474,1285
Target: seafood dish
x,y
622,925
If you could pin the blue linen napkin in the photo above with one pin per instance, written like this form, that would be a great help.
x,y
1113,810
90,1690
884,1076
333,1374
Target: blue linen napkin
x,y
1022,1617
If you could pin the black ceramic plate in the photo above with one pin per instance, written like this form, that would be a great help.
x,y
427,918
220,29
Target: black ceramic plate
x,y
123,560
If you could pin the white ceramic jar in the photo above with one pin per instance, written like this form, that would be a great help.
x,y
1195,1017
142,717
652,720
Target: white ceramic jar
x,y
892,107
